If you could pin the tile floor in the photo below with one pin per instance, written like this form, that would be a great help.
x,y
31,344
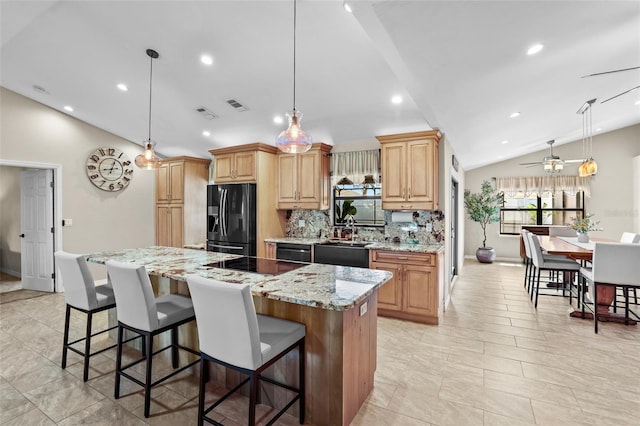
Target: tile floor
x,y
493,360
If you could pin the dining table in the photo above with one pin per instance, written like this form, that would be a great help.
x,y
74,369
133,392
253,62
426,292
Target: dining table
x,y
583,252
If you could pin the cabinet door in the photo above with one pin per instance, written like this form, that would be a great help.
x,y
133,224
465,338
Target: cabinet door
x,y
287,176
245,168
420,290
390,294
223,168
309,177
421,171
270,249
162,184
393,172
176,218
176,182
163,226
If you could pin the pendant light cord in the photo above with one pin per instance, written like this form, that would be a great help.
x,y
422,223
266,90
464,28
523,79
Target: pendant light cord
x,y
294,54
150,83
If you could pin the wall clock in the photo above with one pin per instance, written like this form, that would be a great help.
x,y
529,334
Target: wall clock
x,y
109,169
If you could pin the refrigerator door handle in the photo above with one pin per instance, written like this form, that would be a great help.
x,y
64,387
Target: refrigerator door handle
x,y
226,247
223,212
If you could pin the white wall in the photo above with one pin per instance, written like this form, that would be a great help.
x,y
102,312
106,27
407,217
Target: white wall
x,y
32,132
611,199
636,195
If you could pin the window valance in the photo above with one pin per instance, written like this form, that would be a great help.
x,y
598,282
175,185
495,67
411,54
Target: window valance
x,y
355,165
530,185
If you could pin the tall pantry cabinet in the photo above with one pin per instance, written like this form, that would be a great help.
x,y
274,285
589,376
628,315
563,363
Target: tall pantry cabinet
x,y
181,201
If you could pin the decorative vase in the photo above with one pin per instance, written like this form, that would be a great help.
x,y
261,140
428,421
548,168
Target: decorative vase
x,y
583,237
485,254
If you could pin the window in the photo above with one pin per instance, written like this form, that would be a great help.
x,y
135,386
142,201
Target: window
x,y
543,209
362,201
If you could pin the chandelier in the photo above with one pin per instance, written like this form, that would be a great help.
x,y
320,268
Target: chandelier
x,y
149,160
589,167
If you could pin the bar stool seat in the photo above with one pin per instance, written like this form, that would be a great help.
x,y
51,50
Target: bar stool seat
x,y
233,335
81,294
140,312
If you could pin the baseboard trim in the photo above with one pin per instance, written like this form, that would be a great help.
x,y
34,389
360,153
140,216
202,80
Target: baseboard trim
x,y
11,272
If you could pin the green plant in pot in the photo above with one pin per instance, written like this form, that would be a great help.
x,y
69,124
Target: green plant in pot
x,y
347,210
484,207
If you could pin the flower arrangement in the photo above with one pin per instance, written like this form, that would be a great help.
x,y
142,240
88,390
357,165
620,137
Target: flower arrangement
x,y
584,225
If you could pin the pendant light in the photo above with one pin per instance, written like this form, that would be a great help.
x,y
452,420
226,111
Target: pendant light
x,y
589,167
149,160
294,140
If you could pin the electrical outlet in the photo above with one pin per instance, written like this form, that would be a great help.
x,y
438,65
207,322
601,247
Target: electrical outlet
x,y
301,223
67,222
363,308
428,227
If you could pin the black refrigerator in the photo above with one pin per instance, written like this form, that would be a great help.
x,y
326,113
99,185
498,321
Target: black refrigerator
x,y
231,218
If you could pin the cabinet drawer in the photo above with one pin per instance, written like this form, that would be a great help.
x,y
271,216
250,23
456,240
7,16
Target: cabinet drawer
x,y
424,259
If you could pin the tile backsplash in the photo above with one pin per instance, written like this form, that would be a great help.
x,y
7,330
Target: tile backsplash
x,y
317,224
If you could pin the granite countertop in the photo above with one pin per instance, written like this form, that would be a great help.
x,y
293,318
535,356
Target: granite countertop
x,y
328,287
414,248
290,240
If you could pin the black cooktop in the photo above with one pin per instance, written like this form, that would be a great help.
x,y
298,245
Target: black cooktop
x,y
258,265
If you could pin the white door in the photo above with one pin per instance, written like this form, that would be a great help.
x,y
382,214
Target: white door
x,y
36,213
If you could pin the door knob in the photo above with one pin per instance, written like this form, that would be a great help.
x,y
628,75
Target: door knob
x,y
21,235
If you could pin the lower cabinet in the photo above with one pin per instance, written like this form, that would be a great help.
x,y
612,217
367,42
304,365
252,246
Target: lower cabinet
x,y
270,250
169,223
414,292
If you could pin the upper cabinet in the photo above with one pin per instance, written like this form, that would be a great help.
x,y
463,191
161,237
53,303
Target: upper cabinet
x,y
409,164
235,167
181,201
303,179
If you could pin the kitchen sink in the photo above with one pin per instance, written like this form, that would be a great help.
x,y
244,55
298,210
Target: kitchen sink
x,y
343,253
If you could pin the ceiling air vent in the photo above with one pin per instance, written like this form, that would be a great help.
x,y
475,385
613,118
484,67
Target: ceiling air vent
x,y
237,105
206,113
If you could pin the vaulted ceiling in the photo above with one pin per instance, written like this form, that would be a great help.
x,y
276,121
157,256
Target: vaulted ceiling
x,y
461,66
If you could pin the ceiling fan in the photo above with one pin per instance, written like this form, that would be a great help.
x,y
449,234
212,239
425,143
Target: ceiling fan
x,y
611,72
552,163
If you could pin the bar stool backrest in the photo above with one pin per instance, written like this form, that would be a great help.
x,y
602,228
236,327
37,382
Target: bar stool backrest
x,y
630,237
536,250
227,321
79,287
616,263
134,295
527,244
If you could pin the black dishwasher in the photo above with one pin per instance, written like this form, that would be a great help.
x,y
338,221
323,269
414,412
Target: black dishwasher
x,y
291,251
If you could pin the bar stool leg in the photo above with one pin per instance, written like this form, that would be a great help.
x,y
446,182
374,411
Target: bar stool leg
x,y
116,390
65,342
147,385
87,347
204,374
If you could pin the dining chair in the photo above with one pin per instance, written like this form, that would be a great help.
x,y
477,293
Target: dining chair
x,y
613,264
233,335
543,263
529,270
145,315
630,237
82,294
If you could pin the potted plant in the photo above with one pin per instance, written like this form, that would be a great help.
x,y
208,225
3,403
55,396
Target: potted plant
x,y
484,207
583,226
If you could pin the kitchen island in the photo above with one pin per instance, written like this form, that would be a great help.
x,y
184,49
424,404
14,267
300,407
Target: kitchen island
x,y
337,304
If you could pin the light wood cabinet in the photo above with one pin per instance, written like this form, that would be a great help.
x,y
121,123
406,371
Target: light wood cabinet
x,y
270,250
253,163
409,166
235,167
414,292
303,179
181,201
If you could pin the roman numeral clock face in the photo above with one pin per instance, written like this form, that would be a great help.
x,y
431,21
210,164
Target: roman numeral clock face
x,y
109,169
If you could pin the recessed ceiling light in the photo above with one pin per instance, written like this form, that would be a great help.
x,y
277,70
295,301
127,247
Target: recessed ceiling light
x,y
505,142
637,102
500,157
396,99
206,133
68,108
514,115
347,7
534,49
598,129
123,87
206,59
277,119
